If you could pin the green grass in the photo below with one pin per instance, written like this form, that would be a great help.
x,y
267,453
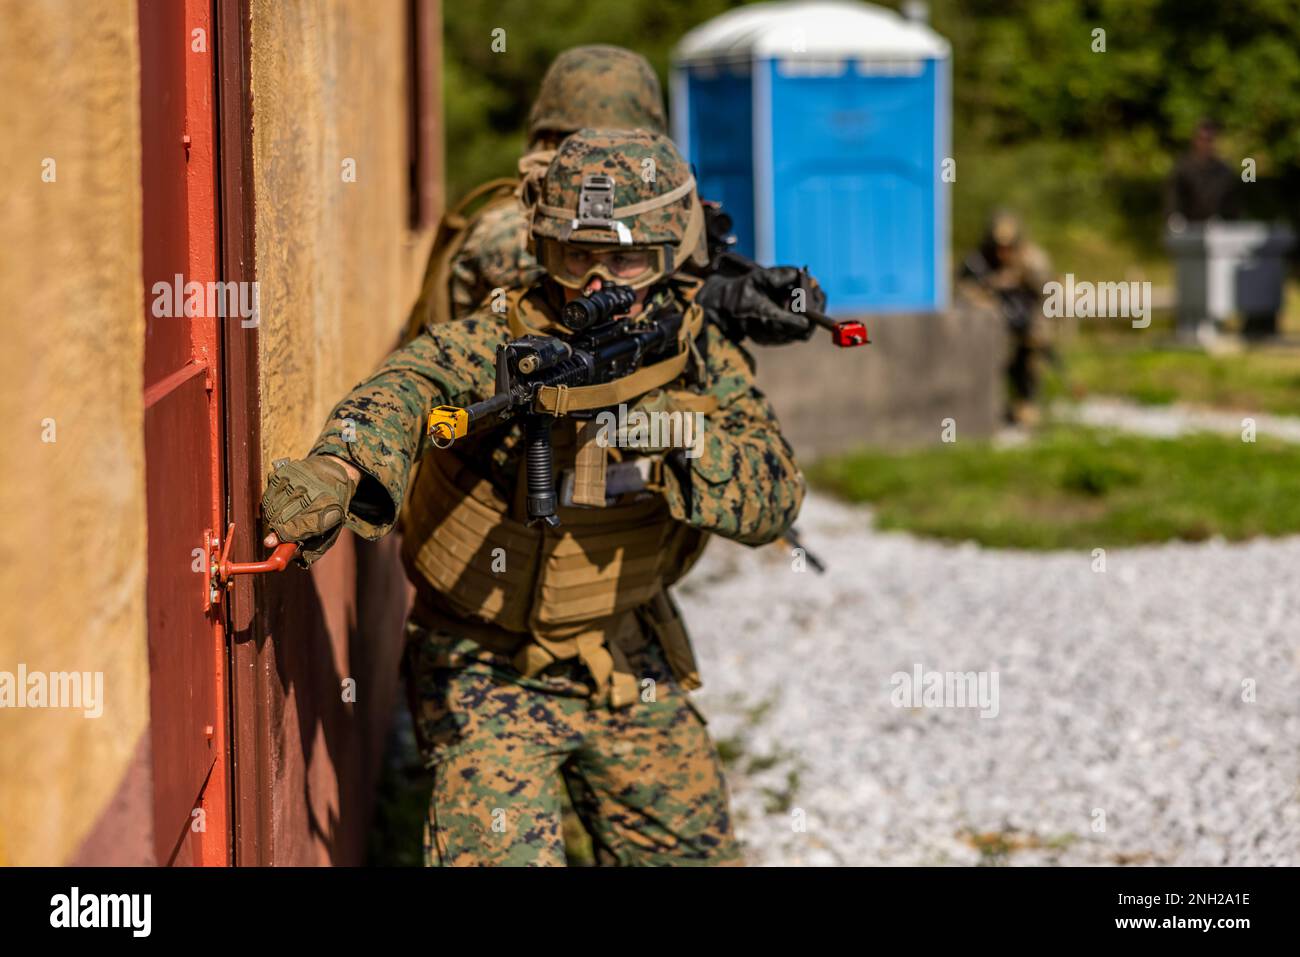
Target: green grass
x,y
1257,380
1077,488
996,847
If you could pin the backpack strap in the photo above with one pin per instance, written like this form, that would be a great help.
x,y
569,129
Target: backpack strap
x,y
434,304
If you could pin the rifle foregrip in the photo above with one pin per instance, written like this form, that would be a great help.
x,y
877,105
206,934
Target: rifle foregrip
x,y
541,470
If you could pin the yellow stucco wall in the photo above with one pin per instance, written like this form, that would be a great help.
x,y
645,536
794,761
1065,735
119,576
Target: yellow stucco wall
x,y
338,268
72,511
337,265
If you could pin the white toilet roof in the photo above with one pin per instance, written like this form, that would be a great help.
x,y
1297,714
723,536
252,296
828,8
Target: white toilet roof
x,y
809,29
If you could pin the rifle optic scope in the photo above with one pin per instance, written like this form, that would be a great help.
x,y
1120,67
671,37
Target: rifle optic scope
x,y
600,306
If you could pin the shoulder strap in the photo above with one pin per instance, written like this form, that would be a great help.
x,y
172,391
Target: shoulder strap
x,y
523,315
434,304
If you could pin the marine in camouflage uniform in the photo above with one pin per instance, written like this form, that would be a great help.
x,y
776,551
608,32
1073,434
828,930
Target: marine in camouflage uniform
x,y
1009,273
568,665
599,86
482,247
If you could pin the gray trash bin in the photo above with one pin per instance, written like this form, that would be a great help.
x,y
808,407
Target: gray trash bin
x,y
1223,268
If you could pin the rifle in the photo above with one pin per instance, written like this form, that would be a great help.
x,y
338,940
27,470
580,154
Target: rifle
x,y
607,346
793,539
724,261
1017,306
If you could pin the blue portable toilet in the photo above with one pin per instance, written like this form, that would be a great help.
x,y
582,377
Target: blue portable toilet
x,y
822,128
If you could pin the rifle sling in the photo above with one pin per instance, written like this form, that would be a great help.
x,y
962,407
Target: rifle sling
x,y
563,399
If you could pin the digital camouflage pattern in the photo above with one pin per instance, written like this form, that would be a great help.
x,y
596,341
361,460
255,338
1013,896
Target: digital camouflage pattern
x,y
645,780
599,86
644,166
744,485
495,256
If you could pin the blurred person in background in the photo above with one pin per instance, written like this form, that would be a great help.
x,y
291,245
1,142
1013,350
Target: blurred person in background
x,y
1202,186
1007,272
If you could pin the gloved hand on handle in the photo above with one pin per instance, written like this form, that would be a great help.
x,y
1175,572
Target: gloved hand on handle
x,y
306,501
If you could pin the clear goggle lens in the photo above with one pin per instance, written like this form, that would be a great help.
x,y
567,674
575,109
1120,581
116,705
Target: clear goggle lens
x,y
574,265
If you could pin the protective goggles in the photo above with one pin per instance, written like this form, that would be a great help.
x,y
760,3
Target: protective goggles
x,y
574,265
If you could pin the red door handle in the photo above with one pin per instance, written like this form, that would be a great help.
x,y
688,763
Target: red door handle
x,y
277,562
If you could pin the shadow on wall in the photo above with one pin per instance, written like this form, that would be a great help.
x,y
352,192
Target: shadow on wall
x,y
336,664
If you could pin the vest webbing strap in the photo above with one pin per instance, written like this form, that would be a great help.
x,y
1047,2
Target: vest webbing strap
x,y
519,326
606,663
590,463
694,402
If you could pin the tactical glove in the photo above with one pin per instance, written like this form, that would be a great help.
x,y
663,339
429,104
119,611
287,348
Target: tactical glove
x,y
754,304
305,501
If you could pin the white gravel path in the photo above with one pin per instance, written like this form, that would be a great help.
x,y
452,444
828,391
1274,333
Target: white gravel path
x,y
1119,692
1169,421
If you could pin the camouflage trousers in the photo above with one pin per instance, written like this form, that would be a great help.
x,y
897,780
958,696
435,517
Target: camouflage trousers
x,y
644,779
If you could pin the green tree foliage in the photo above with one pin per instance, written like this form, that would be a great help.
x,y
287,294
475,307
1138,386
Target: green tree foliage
x,y
488,93
1026,69
1080,140
1095,134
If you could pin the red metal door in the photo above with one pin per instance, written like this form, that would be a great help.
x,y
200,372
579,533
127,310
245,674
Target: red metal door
x,y
183,440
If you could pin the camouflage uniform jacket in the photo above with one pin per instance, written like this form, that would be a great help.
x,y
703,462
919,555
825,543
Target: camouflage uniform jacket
x,y
495,256
744,485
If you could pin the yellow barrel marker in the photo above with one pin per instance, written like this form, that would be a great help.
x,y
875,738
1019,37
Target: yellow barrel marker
x,y
447,423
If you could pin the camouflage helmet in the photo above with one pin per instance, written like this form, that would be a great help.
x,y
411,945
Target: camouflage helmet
x,y
617,189
598,86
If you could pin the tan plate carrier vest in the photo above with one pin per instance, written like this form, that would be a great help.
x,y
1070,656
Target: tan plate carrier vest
x,y
544,594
